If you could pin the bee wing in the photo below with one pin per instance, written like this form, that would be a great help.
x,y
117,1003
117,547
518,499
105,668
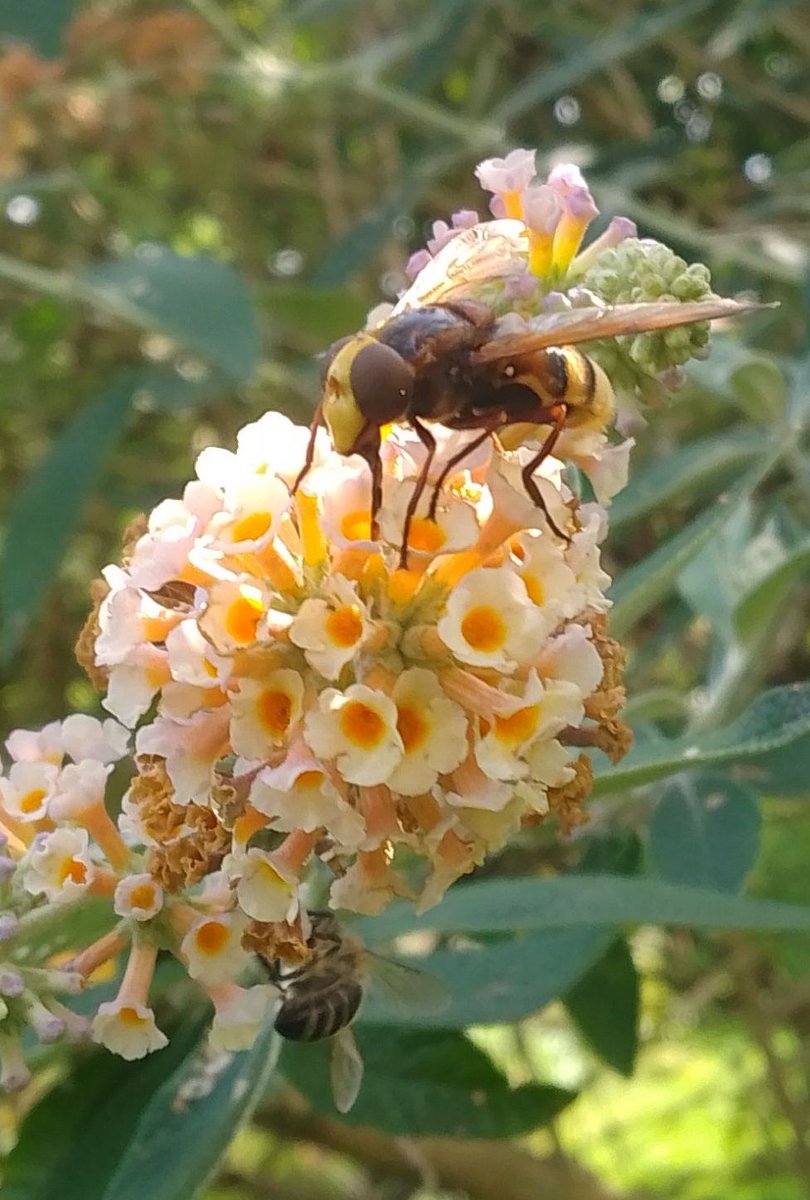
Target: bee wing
x,y
487,251
404,989
587,324
345,1070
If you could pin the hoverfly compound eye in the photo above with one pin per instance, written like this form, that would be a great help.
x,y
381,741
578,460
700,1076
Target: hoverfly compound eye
x,y
381,382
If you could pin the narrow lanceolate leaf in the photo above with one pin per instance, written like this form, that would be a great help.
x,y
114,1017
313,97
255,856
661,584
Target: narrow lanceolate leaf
x,y
645,585
46,510
686,472
776,719
705,831
418,1084
188,1123
761,605
501,982
604,1005
202,304
38,23
595,900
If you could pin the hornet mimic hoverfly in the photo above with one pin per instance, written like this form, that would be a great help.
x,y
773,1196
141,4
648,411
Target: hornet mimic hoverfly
x,y
439,358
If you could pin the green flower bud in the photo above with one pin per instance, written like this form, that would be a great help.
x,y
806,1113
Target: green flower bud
x,y
642,271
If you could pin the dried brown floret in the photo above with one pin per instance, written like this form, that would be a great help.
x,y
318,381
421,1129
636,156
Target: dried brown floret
x,y
566,802
85,648
277,939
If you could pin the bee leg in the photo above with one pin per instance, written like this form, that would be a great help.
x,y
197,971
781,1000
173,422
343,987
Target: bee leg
x,y
429,442
558,415
448,467
310,454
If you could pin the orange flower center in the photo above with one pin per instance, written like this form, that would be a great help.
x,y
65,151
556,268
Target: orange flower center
x,y
251,527
518,727
129,1016
344,626
361,725
484,629
356,526
426,535
275,712
534,588
31,801
412,728
308,779
211,937
242,618
72,869
142,896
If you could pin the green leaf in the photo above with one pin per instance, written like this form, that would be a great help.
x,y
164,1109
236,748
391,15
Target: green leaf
x,y
645,585
72,1141
605,1007
594,900
322,313
362,240
591,55
425,1084
201,303
182,1133
762,603
705,831
46,510
494,983
777,718
686,472
40,23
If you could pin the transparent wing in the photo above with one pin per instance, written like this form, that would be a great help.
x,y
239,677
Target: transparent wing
x,y
487,251
402,989
586,324
345,1070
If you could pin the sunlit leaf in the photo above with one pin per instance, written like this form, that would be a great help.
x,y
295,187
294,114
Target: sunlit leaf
x,y
776,719
762,603
685,472
596,900
39,23
705,831
46,510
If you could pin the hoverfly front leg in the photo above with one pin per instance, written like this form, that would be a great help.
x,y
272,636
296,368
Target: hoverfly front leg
x,y
558,415
310,454
429,442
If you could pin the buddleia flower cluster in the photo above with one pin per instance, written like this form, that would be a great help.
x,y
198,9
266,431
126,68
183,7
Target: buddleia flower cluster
x,y
292,711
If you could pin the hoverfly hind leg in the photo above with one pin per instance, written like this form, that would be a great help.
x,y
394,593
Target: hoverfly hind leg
x,y
429,442
559,414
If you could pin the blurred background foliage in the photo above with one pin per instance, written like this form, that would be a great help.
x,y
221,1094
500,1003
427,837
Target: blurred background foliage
x,y
196,198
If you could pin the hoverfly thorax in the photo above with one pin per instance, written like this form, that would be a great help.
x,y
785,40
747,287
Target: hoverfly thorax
x,y
366,384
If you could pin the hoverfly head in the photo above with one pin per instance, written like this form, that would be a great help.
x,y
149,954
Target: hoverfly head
x,y
366,383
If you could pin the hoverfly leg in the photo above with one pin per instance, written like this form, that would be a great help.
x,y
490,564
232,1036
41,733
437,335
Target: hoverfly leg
x,y
310,454
449,466
558,414
429,442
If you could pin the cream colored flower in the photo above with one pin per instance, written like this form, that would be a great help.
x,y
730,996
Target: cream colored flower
x,y
28,789
433,731
212,948
59,865
128,1030
299,794
358,728
242,1014
490,621
265,713
266,890
331,631
233,616
138,897
541,711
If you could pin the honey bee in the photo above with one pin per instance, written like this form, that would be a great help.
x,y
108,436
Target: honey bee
x,y
321,997
439,359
